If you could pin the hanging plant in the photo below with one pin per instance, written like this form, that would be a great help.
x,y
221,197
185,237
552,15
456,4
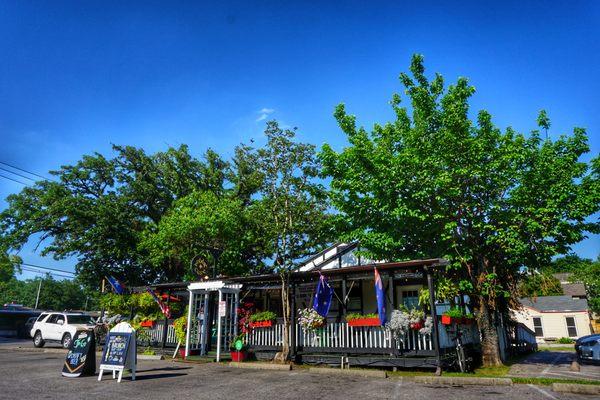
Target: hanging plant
x,y
309,319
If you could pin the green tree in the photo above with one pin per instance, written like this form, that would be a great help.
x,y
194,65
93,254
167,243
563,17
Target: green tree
x,y
215,231
539,284
98,209
54,294
568,263
434,183
294,207
589,274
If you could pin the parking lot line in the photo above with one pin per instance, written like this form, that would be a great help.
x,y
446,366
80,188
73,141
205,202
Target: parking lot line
x,y
542,391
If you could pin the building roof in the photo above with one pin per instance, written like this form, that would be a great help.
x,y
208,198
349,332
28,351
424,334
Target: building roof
x,y
573,289
555,304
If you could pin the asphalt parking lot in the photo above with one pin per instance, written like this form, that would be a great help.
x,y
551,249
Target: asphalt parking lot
x,y
554,364
36,375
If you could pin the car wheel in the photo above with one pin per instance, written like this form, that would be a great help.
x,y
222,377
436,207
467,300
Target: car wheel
x,y
66,340
38,341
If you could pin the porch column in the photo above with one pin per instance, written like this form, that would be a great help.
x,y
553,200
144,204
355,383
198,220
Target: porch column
x,y
219,326
166,327
435,332
235,315
189,324
293,323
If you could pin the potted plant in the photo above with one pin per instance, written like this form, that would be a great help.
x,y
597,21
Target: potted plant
x,y
452,316
416,319
310,320
263,319
468,319
356,319
238,349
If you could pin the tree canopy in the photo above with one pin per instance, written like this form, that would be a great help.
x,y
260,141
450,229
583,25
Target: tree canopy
x,y
436,183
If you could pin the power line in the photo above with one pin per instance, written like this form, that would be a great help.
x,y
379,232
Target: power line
x,y
48,268
24,170
36,271
16,173
14,180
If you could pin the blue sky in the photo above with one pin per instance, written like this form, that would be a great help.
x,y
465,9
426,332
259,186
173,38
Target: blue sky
x,y
78,76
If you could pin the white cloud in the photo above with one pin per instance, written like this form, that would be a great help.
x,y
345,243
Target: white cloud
x,y
264,114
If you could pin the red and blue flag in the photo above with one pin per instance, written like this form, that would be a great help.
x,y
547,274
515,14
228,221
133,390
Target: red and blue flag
x,y
380,295
117,286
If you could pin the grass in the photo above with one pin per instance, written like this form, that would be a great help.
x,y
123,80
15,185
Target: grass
x,y
557,348
550,381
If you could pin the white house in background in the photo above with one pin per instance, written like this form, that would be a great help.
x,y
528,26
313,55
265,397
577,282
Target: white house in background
x,y
554,317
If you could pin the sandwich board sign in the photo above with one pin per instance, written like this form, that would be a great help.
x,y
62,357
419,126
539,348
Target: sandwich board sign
x,y
81,358
120,351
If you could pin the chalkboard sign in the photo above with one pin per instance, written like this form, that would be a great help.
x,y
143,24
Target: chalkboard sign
x,y
81,358
115,349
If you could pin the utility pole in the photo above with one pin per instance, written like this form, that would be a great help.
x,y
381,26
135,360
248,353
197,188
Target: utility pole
x,y
37,298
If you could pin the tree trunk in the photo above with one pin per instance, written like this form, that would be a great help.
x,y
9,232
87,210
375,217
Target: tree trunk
x,y
285,302
490,346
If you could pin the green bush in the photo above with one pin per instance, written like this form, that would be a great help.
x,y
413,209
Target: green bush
x,y
263,316
353,316
454,312
565,340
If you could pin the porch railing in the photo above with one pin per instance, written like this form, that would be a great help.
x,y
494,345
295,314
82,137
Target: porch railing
x,y
341,336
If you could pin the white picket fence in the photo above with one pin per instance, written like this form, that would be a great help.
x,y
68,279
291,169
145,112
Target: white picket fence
x,y
341,335
155,334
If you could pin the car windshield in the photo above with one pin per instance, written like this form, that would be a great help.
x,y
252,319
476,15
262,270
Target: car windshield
x,y
80,319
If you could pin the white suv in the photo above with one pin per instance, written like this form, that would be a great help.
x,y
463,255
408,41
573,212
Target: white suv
x,y
59,327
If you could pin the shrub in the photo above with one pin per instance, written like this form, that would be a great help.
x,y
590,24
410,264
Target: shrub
x,y
565,340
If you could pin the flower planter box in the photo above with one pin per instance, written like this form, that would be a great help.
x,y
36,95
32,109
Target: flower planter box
x,y
238,356
364,322
447,320
147,324
181,352
466,321
261,324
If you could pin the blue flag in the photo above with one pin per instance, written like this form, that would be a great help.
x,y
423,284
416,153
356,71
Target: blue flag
x,y
322,300
380,294
117,286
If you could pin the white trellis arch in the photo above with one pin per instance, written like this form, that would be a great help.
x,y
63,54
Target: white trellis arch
x,y
197,336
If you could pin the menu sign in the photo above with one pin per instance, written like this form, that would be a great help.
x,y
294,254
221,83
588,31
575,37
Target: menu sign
x,y
115,350
81,358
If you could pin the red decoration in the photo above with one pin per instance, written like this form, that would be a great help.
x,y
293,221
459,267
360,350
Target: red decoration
x,y
364,322
447,320
261,324
416,326
147,324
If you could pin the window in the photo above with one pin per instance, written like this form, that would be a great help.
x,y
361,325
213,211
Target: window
x,y
52,319
80,319
537,326
41,317
410,299
571,328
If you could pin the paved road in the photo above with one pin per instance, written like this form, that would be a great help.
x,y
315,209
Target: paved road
x,y
36,375
553,364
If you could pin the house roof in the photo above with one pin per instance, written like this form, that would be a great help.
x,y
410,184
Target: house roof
x,y
574,289
555,304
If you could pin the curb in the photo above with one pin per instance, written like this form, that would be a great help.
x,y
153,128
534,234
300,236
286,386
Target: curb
x,y
150,357
356,372
258,365
575,388
449,380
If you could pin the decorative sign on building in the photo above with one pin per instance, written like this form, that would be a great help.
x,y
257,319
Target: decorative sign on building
x,y
81,358
408,275
120,351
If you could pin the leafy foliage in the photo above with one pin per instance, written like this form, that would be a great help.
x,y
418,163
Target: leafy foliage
x,y
263,316
540,284
589,274
54,294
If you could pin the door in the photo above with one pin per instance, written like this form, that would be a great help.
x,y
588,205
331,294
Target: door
x,y
50,330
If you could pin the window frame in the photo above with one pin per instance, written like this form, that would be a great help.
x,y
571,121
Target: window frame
x,y
541,326
574,326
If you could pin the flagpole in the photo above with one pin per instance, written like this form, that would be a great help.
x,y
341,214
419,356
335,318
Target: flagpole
x,y
101,293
